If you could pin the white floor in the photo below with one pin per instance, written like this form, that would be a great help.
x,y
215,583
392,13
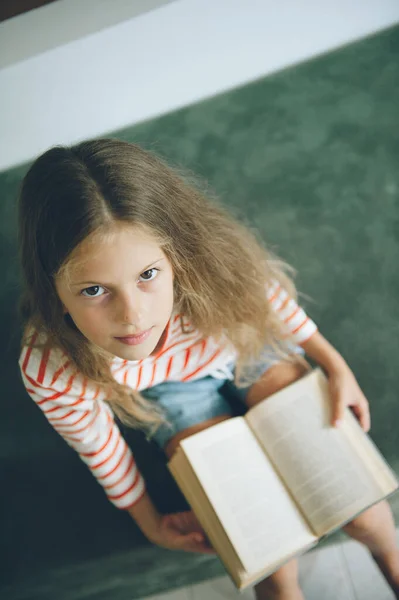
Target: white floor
x,y
344,571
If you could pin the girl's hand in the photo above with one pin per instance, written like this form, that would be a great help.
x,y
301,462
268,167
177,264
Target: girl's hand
x,y
345,391
181,531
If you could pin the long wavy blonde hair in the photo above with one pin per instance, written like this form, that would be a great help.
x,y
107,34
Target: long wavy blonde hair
x,y
220,267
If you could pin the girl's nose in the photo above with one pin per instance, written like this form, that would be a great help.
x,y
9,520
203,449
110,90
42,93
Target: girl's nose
x,y
131,310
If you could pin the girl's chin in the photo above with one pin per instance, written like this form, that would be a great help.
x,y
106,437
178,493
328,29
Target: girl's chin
x,y
134,352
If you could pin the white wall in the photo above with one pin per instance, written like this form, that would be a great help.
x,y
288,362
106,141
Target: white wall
x,y
62,22
174,55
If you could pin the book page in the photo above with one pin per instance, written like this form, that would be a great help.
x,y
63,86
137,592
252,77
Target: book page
x,y
188,482
320,464
249,499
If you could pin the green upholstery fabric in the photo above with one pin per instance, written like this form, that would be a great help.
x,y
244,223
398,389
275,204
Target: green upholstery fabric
x,y
309,156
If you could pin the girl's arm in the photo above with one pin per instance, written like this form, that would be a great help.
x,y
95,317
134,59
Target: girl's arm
x,y
344,388
302,330
77,410
79,414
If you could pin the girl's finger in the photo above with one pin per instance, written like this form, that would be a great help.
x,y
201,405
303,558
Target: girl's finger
x,y
337,404
192,543
186,519
338,412
363,414
202,548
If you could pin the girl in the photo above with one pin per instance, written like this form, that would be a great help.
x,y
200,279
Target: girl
x,y
142,297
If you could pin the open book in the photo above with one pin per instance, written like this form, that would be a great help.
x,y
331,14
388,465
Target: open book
x,y
268,486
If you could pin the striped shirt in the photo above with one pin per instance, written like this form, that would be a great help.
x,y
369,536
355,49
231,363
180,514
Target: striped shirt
x,y
77,408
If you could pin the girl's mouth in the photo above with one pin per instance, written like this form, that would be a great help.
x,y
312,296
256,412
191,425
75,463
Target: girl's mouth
x,y
133,340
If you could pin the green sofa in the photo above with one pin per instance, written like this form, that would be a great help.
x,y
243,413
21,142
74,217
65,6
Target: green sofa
x,y
310,157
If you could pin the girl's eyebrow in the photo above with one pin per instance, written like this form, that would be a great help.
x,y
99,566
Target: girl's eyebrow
x,y
80,283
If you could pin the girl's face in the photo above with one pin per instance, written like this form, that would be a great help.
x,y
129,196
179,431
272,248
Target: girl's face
x,y
120,292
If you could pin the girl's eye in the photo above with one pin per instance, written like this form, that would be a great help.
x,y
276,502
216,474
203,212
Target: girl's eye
x,y
92,291
149,275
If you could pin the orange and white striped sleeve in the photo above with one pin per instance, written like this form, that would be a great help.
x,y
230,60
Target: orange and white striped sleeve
x,y
296,323
78,412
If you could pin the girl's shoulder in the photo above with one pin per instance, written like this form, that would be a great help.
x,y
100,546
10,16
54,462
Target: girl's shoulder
x,y
43,366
